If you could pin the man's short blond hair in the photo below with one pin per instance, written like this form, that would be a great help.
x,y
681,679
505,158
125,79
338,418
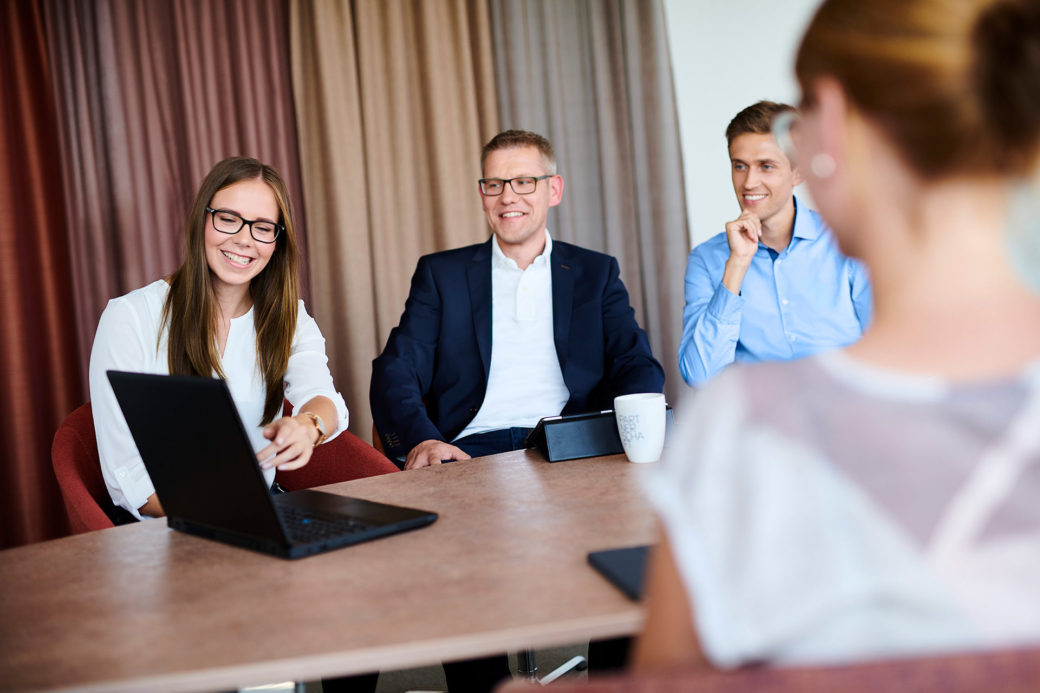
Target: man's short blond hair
x,y
520,138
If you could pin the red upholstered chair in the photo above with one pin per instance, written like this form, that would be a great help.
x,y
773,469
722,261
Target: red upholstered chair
x,y
74,456
343,458
1012,671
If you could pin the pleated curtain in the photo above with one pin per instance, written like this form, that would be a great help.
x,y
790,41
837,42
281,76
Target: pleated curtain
x,y
151,95
595,77
394,100
374,111
39,364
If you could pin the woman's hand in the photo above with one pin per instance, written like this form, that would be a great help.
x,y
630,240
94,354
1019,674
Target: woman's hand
x,y
292,441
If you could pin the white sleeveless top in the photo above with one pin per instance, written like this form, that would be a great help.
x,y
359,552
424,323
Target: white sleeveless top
x,y
825,510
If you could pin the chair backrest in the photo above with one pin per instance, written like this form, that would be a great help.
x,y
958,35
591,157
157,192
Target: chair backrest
x,y
1010,671
343,458
74,456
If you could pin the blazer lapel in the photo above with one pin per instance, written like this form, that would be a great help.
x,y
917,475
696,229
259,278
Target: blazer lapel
x,y
478,274
563,301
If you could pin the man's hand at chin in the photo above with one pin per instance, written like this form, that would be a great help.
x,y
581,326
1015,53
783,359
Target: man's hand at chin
x,y
431,452
743,234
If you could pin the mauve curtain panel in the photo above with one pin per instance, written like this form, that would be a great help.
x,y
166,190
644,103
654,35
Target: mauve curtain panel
x,y
112,114
150,96
40,372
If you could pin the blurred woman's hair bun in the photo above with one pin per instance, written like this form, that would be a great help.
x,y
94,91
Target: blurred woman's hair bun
x,y
954,84
1006,40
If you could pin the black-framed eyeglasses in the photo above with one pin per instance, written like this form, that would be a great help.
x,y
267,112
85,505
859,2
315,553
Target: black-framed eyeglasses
x,y
524,185
229,222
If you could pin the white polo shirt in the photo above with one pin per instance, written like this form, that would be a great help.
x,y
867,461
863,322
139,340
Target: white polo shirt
x,y
525,382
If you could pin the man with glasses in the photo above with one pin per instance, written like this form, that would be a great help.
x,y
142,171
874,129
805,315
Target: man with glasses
x,y
498,335
774,285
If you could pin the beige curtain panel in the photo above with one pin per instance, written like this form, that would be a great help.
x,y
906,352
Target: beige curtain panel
x,y
595,77
394,101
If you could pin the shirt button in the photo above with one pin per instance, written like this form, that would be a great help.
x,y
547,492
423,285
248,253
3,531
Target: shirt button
x,y
784,302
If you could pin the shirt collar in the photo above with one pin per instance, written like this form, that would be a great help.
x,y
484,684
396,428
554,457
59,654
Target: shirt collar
x,y
499,258
804,227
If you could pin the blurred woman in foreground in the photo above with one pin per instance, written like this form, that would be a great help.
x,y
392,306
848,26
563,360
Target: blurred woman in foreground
x,y
880,500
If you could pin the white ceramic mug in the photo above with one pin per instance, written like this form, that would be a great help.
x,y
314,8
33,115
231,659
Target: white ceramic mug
x,y
640,422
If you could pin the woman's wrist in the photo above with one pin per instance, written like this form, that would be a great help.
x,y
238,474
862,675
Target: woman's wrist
x,y
319,426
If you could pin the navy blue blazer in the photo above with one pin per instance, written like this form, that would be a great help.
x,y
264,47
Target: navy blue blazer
x,y
430,379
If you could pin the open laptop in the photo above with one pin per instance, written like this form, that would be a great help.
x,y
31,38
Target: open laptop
x,y
209,483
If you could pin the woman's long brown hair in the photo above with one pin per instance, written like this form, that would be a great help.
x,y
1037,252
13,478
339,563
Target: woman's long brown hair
x,y
191,312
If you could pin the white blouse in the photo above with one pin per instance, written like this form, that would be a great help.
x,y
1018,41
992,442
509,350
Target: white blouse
x,y
824,510
128,339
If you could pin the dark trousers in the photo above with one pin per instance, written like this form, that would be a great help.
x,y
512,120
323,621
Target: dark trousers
x,y
482,675
476,675
361,683
609,655
493,442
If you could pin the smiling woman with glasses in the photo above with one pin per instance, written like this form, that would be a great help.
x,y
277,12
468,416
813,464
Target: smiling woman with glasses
x,y
231,311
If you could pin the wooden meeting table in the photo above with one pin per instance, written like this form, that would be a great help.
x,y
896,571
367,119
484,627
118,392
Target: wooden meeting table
x,y
503,569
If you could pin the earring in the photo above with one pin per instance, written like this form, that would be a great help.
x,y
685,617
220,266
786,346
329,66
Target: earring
x,y
823,165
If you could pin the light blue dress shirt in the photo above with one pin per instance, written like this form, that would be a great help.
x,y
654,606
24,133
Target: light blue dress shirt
x,y
805,299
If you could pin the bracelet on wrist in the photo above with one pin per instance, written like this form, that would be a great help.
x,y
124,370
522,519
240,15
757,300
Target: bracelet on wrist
x,y
319,425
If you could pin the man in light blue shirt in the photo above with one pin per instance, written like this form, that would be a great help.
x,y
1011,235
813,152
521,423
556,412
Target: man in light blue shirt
x,y
774,285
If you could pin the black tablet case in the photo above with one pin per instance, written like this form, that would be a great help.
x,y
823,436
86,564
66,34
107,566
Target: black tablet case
x,y
625,568
575,436
578,435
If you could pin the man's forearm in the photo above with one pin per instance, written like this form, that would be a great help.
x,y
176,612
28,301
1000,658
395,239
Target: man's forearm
x,y
710,334
733,277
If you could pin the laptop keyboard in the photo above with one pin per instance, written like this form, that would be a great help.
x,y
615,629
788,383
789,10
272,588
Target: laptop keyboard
x,y
306,527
